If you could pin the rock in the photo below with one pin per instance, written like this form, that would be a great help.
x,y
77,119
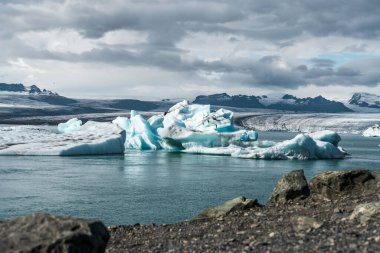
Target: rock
x,y
364,212
333,184
239,203
289,187
304,223
46,233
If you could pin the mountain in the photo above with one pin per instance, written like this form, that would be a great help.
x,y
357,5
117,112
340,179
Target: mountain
x,y
363,99
20,101
25,96
223,99
278,102
24,90
316,104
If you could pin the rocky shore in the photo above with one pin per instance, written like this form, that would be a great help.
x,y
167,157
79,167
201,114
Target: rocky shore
x,y
334,212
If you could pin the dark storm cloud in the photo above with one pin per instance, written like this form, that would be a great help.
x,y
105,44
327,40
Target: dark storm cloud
x,y
168,22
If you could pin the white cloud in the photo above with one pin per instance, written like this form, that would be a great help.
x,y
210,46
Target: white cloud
x,y
19,63
58,40
129,48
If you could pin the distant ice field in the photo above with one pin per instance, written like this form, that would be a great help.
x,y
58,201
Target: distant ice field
x,y
353,123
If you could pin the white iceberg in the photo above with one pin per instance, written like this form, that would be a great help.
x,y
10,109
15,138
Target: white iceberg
x,y
187,128
183,126
373,131
301,147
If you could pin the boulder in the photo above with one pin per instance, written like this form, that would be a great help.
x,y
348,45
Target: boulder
x,y
239,203
334,184
364,212
42,232
292,186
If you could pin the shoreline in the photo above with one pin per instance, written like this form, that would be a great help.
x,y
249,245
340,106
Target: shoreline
x,y
335,211
299,217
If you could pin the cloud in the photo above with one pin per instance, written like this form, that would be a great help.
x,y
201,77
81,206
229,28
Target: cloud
x,y
232,45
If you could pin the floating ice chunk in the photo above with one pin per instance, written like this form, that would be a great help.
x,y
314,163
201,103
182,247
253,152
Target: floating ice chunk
x,y
69,126
373,131
301,147
326,136
92,138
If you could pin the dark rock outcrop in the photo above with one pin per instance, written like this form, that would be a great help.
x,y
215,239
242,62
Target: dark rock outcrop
x,y
334,184
239,203
46,233
290,187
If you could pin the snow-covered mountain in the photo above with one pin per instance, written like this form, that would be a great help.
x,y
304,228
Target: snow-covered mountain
x,y
363,99
223,99
20,89
284,102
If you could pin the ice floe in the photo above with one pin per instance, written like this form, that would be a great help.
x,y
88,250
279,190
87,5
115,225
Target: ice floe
x,y
188,128
92,138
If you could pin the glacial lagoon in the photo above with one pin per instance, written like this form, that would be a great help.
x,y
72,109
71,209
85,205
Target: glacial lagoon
x,y
154,186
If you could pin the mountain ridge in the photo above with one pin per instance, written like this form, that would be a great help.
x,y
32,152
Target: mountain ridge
x,y
34,100
286,102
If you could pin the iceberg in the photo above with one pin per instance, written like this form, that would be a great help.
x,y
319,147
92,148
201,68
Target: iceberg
x,y
301,147
92,138
373,131
185,127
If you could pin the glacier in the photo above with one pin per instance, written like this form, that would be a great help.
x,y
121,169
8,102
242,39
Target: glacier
x,y
185,127
342,123
373,131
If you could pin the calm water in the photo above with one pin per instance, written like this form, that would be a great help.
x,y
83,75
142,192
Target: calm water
x,y
159,187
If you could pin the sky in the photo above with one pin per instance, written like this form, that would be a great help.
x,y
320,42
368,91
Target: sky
x,y
179,49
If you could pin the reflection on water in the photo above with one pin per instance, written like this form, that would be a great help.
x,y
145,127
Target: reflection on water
x,y
152,186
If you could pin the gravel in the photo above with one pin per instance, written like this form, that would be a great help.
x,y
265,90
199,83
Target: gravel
x,y
309,225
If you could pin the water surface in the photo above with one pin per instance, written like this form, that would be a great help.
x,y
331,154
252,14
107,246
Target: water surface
x,y
151,186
